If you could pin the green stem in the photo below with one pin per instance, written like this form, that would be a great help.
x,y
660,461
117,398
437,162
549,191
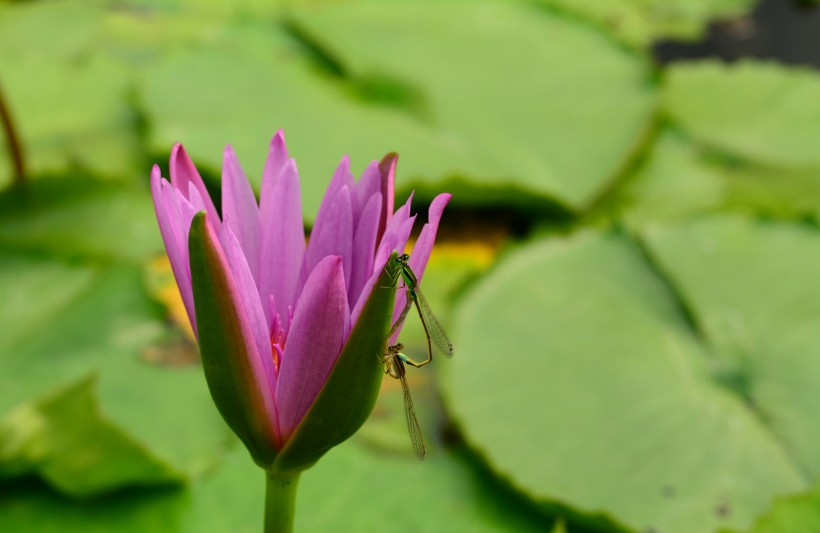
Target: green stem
x,y
280,501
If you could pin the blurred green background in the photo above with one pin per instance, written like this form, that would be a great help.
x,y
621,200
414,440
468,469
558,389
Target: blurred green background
x,y
629,269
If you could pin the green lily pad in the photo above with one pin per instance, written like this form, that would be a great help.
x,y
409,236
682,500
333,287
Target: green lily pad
x,y
74,217
272,87
760,111
63,438
795,513
541,103
68,99
680,179
441,494
587,381
640,22
75,310
675,181
752,288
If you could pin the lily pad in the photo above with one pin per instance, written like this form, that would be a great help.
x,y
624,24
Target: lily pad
x,y
69,100
541,103
275,86
680,178
63,438
640,22
77,311
674,181
339,494
795,513
591,382
73,217
762,112
753,291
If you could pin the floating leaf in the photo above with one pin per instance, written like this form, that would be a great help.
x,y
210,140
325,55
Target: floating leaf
x,y
760,111
74,217
63,438
680,179
68,100
82,311
503,80
795,513
443,493
640,22
584,381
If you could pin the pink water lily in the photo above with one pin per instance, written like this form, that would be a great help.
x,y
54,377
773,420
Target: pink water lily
x,y
285,308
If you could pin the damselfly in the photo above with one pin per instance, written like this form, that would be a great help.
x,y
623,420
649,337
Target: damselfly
x,y
432,327
394,366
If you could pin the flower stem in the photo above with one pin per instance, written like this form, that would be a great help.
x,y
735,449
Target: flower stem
x,y
280,501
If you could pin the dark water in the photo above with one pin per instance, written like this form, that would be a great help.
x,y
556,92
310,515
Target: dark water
x,y
784,30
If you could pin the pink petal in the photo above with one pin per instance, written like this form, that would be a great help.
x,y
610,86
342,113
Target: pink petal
x,y
367,186
421,252
199,203
368,286
320,326
333,235
254,365
378,178
276,160
239,209
394,239
387,167
364,245
424,244
170,227
283,239
394,235
247,297
184,175
341,178
186,214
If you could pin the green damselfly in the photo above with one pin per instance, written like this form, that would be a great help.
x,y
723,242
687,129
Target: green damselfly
x,y
394,366
432,327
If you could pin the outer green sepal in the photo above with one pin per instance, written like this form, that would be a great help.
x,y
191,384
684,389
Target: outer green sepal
x,y
226,345
350,391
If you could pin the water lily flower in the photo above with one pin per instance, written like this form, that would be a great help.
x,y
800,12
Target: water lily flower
x,y
290,333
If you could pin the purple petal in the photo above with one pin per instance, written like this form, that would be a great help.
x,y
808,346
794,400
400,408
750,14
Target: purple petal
x,y
387,168
199,203
421,252
341,178
392,237
424,244
283,240
184,175
240,329
183,214
276,160
333,235
368,286
320,326
364,244
367,186
394,240
186,214
239,209
247,297
170,227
